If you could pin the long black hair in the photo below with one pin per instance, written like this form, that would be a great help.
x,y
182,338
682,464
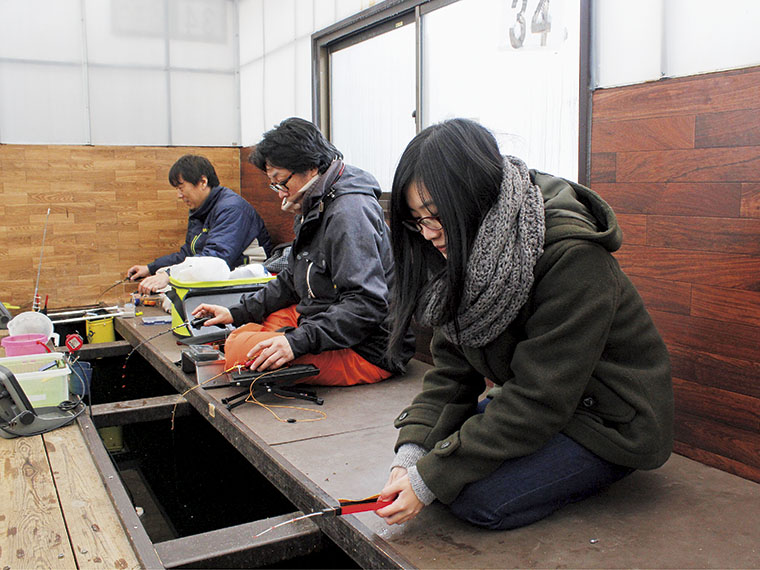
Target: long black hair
x,y
458,162
295,144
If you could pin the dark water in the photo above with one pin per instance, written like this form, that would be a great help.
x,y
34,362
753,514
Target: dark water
x,y
190,480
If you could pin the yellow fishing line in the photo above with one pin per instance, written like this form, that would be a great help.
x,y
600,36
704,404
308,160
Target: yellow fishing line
x,y
182,395
251,399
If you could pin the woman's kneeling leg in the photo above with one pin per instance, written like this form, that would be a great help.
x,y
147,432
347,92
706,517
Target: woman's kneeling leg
x,y
527,489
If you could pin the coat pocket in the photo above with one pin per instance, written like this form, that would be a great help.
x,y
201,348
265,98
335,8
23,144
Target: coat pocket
x,y
319,284
600,401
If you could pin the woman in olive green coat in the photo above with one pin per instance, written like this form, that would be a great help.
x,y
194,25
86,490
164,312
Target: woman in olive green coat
x,y
513,270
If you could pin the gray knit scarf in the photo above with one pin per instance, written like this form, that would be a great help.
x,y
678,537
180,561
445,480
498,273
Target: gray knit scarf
x,y
499,272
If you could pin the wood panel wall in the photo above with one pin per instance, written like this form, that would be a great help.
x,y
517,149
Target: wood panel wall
x,y
679,161
110,208
255,188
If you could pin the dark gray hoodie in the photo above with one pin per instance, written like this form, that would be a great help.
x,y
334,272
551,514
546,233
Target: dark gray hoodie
x,y
339,273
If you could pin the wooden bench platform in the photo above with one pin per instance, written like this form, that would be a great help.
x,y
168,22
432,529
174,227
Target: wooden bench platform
x,y
55,510
63,512
683,515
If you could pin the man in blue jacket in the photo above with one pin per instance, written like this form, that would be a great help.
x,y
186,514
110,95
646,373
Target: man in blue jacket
x,y
221,224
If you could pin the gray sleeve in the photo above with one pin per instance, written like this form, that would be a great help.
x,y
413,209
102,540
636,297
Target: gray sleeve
x,y
424,494
407,457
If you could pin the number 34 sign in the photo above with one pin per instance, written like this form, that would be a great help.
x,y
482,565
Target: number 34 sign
x,y
531,24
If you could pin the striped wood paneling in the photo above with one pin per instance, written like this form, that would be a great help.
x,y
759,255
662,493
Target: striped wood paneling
x,y
255,189
110,208
679,161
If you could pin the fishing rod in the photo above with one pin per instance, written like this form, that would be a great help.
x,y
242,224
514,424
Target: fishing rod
x,y
36,299
195,323
92,318
346,507
82,311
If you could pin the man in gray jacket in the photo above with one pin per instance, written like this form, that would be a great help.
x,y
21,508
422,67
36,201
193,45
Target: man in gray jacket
x,y
329,307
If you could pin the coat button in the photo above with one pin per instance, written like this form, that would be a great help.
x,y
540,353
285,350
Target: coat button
x,y
445,444
403,415
589,402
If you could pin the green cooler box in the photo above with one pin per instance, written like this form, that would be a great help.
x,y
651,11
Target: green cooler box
x,y
186,296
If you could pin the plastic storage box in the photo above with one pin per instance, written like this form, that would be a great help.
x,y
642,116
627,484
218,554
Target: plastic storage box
x,y
43,377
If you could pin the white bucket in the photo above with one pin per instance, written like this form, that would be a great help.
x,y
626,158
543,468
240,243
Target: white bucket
x,y
32,322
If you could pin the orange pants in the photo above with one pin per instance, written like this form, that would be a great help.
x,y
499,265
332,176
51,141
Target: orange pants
x,y
342,367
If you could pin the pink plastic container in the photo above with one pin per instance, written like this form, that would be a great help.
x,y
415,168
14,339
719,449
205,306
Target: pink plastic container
x,y
20,344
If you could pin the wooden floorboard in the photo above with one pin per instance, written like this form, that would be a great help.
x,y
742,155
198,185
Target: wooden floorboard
x,y
707,369
94,528
698,267
728,408
661,295
718,438
655,133
32,529
750,204
698,94
707,335
728,128
727,235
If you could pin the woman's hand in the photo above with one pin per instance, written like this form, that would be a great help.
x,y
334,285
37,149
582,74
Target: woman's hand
x,y
219,315
406,506
271,353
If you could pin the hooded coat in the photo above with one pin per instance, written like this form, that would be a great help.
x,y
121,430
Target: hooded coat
x,y
339,273
582,357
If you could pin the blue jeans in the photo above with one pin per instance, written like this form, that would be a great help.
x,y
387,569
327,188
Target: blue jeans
x,y
526,489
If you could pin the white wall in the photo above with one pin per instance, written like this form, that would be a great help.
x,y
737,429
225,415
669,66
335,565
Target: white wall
x,y
275,58
645,40
142,72
103,72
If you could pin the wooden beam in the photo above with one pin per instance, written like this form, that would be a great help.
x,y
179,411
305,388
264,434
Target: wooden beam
x,y
237,547
104,349
130,522
140,410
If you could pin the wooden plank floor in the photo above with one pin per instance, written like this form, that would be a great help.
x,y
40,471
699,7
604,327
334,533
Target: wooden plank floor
x,y
684,515
55,511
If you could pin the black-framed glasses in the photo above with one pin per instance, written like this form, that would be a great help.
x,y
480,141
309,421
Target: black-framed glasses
x,y
429,222
281,186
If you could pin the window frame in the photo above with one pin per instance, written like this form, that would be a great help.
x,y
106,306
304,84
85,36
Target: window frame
x,y
384,16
